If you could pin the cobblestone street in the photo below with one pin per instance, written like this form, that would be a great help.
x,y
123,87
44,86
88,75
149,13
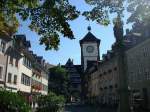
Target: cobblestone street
x,y
79,108
86,108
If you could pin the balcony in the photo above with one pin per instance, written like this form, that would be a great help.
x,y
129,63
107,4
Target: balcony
x,y
36,88
36,72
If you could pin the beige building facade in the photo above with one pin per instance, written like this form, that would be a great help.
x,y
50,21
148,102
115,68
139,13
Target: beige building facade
x,y
108,81
103,82
12,70
4,45
17,70
138,61
25,73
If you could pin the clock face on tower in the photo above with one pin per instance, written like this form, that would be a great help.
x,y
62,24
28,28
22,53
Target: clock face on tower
x,y
90,49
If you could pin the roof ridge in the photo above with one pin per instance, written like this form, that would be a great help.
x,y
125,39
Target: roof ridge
x,y
89,37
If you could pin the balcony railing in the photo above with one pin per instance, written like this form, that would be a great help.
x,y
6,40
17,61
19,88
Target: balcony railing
x,y
36,87
35,72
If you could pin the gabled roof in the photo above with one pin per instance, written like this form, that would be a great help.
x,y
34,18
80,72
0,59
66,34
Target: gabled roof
x,y
69,62
22,39
89,37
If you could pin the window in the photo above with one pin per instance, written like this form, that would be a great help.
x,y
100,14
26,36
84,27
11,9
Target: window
x,y
44,87
15,79
11,60
1,71
9,77
16,63
145,54
115,68
104,73
27,62
100,75
24,60
116,86
2,46
109,70
25,80
75,86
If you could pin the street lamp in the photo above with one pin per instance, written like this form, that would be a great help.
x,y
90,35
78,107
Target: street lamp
x,y
120,50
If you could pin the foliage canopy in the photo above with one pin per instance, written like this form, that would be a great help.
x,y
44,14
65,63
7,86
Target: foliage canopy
x,y
139,10
49,18
12,102
59,80
102,9
50,103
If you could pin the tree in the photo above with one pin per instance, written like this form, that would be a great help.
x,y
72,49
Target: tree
x,y
50,103
49,18
8,18
102,9
140,11
58,81
13,102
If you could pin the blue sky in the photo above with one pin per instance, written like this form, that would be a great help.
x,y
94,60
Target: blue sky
x,y
71,48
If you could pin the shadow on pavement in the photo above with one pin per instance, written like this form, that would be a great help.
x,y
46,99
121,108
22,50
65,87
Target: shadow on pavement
x,y
79,108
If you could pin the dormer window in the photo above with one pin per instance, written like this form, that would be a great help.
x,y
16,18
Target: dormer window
x,y
11,60
2,46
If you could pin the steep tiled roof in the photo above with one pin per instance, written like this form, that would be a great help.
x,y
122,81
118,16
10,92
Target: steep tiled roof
x,y
22,39
69,62
89,37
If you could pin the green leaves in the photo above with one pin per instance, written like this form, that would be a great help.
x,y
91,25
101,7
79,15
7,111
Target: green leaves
x,y
59,80
140,11
49,18
12,102
97,15
8,9
102,9
50,103
8,24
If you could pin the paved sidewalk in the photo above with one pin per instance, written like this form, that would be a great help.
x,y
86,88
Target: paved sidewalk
x,y
79,108
106,110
